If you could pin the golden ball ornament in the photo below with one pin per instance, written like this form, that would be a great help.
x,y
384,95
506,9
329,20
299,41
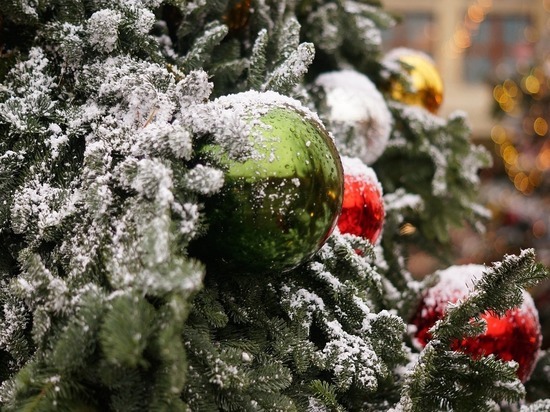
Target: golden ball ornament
x,y
421,84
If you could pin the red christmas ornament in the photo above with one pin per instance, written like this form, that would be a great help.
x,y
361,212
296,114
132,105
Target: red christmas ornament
x,y
363,207
514,337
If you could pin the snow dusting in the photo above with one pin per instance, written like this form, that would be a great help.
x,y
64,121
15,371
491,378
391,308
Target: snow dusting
x,y
354,102
111,190
355,167
258,103
352,357
458,281
103,29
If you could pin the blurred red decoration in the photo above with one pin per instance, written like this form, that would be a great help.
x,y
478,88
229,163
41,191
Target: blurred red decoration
x,y
515,336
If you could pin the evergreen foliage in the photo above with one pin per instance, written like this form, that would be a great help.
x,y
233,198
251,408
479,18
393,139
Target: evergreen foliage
x,y
103,307
444,379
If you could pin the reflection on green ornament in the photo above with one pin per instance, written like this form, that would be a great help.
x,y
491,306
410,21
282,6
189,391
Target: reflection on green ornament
x,y
277,207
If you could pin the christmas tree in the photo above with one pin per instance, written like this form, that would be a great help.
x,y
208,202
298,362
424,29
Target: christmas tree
x,y
209,205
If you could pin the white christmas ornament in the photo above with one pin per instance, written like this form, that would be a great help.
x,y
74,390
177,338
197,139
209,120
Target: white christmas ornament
x,y
357,112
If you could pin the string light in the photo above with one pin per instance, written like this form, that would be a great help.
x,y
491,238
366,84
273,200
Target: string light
x,y
462,37
525,168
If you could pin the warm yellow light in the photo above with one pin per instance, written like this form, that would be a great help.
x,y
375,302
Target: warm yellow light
x,y
498,134
508,105
452,50
470,25
503,146
532,84
511,88
407,229
543,159
476,13
462,38
332,194
527,125
510,155
499,93
540,126
521,182
512,170
540,74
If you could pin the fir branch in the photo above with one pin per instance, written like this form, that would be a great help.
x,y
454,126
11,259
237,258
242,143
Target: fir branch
x,y
257,65
537,386
23,12
270,377
499,290
100,179
445,177
207,305
37,388
196,178
322,26
200,52
78,339
291,71
325,393
450,380
14,340
126,330
228,74
125,388
287,40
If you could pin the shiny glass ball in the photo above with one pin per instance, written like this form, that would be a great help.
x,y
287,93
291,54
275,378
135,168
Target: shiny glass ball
x,y
278,206
425,85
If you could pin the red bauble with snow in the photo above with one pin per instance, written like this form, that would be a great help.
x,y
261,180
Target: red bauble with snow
x,y
514,337
363,206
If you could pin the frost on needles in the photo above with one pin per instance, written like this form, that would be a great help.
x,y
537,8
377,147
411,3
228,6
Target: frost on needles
x,y
103,105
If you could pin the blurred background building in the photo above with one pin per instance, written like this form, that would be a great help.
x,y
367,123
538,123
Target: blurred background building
x,y
473,43
494,58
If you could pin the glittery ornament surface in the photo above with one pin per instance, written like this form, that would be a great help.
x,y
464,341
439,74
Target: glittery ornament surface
x,y
423,86
278,206
515,336
363,207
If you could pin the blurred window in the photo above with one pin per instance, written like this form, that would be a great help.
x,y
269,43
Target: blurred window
x,y
414,31
499,47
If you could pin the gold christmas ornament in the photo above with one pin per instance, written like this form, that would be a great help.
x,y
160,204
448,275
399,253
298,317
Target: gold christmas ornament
x,y
421,84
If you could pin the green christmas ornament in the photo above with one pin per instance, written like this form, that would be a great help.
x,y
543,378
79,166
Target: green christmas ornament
x,y
279,205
